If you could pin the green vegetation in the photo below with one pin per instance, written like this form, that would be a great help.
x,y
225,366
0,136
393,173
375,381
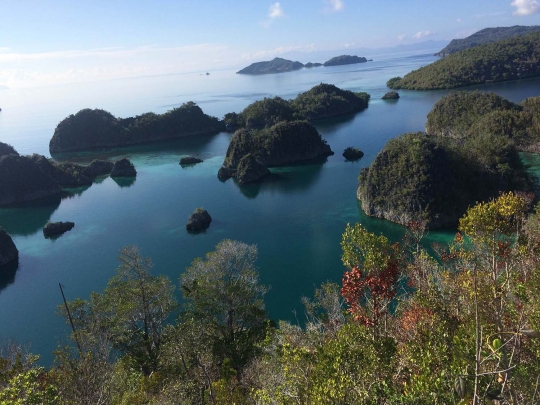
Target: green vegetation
x,y
509,59
284,143
321,101
99,129
417,177
466,330
467,114
345,60
485,36
276,65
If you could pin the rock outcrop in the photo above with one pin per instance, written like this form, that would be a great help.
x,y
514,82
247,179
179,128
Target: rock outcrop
x,y
351,153
189,160
123,168
22,180
8,250
65,174
391,95
199,220
250,170
57,228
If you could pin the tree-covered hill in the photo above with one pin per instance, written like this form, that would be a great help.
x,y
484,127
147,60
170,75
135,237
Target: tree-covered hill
x,y
321,101
100,129
508,59
469,154
345,60
485,36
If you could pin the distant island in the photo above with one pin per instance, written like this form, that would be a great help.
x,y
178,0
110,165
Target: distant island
x,y
465,157
508,59
276,65
485,36
89,129
280,65
321,101
345,60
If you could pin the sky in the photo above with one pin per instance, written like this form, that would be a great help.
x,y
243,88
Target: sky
x,y
51,42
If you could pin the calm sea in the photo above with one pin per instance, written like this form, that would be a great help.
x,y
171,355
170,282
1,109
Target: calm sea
x,y
296,217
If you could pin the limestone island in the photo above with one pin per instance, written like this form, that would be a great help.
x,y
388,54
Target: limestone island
x,y
91,129
312,65
512,58
284,143
123,168
391,95
352,153
189,160
52,229
199,220
465,157
276,65
345,60
27,178
485,36
321,101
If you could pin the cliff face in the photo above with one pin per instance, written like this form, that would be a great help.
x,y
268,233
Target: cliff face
x,y
99,129
281,144
22,180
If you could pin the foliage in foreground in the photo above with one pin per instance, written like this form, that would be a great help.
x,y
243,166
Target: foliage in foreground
x,y
452,324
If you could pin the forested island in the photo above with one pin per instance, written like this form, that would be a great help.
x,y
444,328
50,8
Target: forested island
x,y
345,60
280,65
469,153
276,65
508,59
321,101
485,36
251,152
90,129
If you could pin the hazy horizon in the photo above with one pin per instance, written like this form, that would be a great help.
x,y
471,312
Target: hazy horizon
x,y
55,42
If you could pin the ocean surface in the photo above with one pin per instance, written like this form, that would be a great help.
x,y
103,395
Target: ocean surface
x,y
296,217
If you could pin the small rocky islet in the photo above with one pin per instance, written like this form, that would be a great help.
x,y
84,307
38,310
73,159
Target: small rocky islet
x,y
52,229
280,65
198,221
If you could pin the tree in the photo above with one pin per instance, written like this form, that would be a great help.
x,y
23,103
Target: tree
x,y
223,293
131,314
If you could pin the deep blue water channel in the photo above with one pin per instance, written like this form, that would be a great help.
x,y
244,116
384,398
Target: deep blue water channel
x,y
296,217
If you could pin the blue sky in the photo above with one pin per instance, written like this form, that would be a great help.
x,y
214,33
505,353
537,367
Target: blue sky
x,y
51,42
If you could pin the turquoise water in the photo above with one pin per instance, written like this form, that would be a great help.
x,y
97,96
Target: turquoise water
x,y
296,217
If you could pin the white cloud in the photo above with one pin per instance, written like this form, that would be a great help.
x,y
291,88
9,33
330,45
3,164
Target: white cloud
x,y
401,37
525,7
348,45
334,5
275,11
423,34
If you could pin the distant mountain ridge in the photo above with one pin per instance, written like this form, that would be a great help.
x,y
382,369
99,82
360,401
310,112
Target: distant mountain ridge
x,y
485,36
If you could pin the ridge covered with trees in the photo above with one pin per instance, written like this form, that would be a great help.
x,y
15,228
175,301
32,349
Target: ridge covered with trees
x,y
485,36
454,324
276,65
509,59
90,129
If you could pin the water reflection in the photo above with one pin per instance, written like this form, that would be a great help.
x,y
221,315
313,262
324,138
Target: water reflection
x,y
124,181
28,218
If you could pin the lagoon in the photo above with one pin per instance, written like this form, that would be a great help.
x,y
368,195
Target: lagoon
x,y
296,217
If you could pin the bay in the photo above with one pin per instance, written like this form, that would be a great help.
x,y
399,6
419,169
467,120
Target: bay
x,y
296,217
